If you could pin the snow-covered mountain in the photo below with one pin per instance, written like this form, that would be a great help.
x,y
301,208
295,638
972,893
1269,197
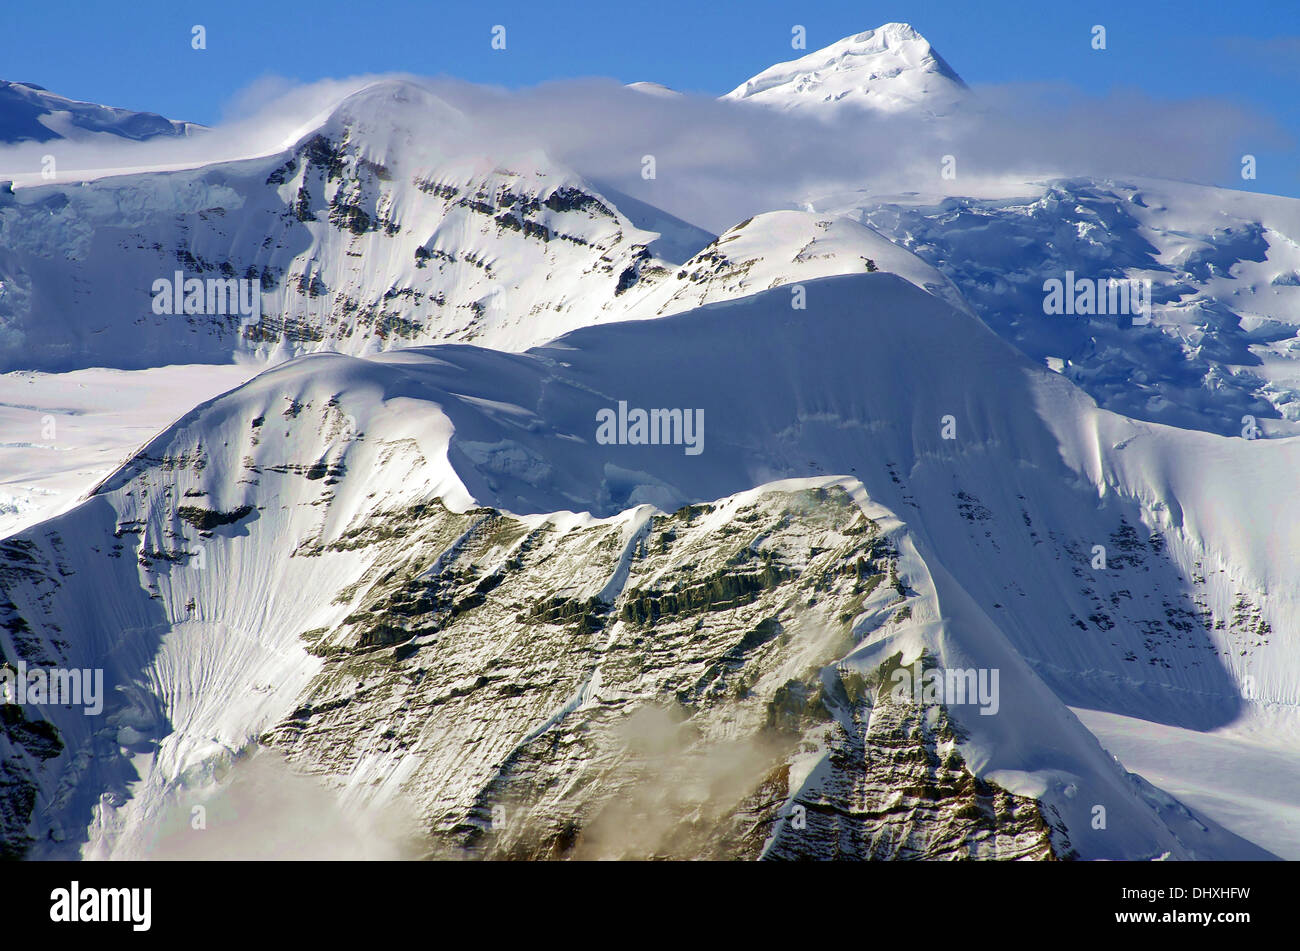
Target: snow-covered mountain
x,y
475,648
361,241
1223,334
31,113
890,69
422,552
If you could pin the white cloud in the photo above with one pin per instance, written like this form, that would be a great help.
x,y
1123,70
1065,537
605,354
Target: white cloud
x,y
719,162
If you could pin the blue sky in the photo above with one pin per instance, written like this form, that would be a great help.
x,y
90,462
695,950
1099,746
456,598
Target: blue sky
x,y
139,56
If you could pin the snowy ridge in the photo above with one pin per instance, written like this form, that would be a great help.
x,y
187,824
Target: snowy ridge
x,y
65,432
31,113
822,392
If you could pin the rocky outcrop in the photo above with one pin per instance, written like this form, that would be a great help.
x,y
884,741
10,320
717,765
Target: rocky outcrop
x,y
641,688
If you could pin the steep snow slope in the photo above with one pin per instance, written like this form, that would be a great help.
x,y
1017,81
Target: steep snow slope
x,y
371,231
784,248
889,69
31,113
467,658
1245,778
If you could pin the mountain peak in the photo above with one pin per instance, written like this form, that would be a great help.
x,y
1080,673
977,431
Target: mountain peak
x,y
892,68
31,113
898,32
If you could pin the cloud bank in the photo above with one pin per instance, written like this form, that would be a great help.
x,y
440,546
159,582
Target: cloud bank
x,y
717,162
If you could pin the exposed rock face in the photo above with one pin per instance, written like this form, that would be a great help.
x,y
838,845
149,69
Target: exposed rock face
x,y
24,745
639,688
645,686
895,786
